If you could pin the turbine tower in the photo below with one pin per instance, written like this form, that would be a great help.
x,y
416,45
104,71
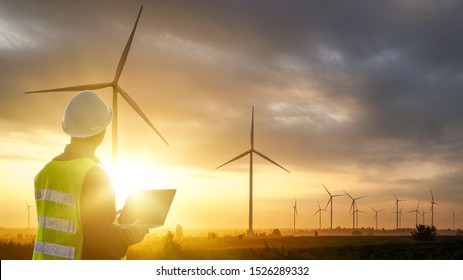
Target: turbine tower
x,y
295,214
251,153
376,216
416,213
432,208
114,84
28,210
396,210
330,202
453,218
356,213
319,212
423,215
400,216
353,207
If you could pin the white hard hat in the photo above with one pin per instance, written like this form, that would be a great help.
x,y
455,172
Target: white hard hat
x,y
86,115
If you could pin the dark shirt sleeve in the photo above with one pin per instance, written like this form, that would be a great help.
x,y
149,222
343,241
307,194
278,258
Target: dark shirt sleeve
x,y
102,239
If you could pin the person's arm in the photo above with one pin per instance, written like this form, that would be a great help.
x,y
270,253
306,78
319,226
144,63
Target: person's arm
x,y
103,239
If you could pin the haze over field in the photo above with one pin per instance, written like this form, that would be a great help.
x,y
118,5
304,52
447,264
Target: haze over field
x,y
362,96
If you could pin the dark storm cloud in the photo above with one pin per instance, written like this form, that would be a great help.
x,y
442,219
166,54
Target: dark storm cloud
x,y
364,84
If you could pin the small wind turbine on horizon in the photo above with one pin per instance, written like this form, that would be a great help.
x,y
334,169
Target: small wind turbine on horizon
x,y
319,212
400,216
116,89
423,213
432,208
453,218
397,223
376,216
353,207
356,212
251,153
330,201
416,213
295,214
28,210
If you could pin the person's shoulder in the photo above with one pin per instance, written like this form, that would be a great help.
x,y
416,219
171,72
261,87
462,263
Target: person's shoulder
x,y
97,174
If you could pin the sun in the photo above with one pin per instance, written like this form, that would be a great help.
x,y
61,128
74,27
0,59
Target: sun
x,y
134,174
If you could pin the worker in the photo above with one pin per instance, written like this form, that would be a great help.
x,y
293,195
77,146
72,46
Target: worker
x,y
74,198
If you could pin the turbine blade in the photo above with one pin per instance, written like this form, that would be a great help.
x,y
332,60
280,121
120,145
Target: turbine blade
x,y
74,88
373,209
252,129
316,213
125,53
329,201
349,195
235,158
139,111
394,195
361,197
267,158
326,190
432,196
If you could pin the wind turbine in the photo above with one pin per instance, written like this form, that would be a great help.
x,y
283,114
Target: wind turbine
x,y
423,214
400,216
353,207
251,152
116,89
330,201
28,210
396,210
453,217
376,216
295,213
432,208
319,212
356,212
416,213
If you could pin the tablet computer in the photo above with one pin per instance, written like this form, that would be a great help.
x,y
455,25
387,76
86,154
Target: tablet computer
x,y
148,208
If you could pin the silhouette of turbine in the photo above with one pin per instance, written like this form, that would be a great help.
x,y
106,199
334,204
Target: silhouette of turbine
x,y
416,211
295,214
376,215
251,152
330,201
319,212
432,208
453,218
353,208
116,89
28,210
396,210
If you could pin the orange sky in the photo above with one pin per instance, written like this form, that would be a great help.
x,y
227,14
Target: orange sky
x,y
365,104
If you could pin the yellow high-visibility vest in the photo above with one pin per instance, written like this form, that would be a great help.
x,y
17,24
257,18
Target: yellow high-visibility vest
x,y
57,194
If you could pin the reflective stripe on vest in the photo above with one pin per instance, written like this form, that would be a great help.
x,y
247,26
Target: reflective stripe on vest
x,y
57,190
54,250
55,196
57,224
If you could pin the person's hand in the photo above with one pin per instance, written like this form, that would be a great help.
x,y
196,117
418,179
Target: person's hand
x,y
137,233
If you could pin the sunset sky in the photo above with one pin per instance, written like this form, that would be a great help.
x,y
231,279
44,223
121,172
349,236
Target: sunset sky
x,y
362,96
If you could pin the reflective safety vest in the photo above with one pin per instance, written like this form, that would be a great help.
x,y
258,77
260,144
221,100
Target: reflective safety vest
x,y
57,194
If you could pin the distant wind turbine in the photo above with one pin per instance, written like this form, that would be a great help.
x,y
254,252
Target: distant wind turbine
x,y
251,152
453,218
330,202
400,216
353,207
295,213
376,215
432,208
396,210
319,212
28,210
416,211
356,212
116,89
423,213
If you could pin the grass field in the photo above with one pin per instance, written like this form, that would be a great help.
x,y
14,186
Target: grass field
x,y
17,244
